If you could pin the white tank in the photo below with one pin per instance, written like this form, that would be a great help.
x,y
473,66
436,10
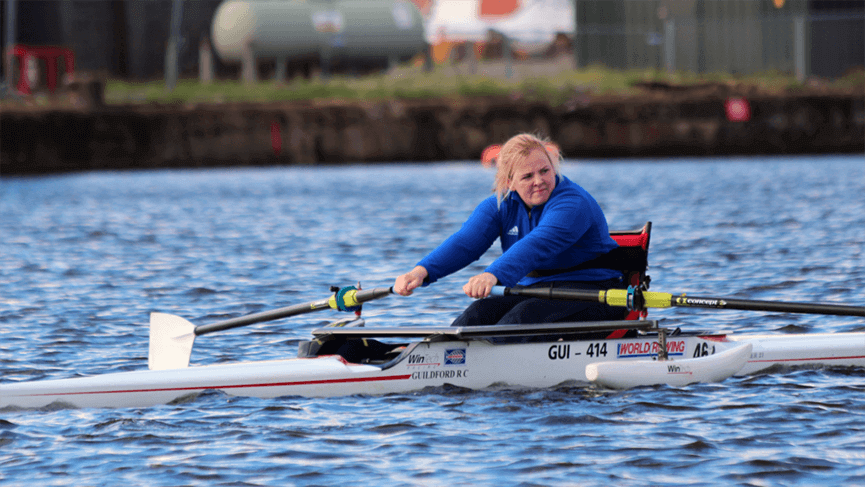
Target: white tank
x,y
347,30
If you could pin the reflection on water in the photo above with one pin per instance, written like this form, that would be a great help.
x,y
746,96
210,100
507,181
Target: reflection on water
x,y
85,258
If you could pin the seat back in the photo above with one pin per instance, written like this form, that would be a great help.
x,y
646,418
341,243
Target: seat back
x,y
632,258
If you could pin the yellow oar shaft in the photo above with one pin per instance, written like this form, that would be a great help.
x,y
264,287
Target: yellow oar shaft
x,y
641,300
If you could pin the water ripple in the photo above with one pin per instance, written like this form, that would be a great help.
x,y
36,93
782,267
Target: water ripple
x,y
85,258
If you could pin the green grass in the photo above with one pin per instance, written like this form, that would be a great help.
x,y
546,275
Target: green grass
x,y
413,83
416,86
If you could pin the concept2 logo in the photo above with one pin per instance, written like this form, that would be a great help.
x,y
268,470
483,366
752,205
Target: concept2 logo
x,y
705,303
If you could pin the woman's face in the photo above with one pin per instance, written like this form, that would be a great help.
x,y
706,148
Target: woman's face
x,y
534,178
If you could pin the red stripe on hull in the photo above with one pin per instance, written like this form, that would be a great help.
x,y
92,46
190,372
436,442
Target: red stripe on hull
x,y
235,386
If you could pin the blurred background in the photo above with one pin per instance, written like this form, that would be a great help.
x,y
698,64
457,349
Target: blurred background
x,y
130,39
727,56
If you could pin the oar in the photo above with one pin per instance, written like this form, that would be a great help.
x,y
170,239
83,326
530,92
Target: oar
x,y
640,300
171,337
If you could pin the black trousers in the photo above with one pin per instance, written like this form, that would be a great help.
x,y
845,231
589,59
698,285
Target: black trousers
x,y
514,310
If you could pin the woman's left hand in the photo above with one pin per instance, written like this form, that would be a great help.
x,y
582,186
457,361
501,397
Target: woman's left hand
x,y
480,285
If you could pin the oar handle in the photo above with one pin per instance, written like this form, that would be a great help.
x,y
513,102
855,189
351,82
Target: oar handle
x,y
351,298
551,293
648,299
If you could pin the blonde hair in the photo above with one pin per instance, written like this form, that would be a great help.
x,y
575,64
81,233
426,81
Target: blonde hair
x,y
516,149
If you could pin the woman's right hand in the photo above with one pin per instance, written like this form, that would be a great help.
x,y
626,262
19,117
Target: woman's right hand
x,y
408,282
479,286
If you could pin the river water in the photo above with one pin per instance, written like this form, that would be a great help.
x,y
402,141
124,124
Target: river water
x,y
84,259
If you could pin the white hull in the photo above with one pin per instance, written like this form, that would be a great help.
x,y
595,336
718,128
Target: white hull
x,y
470,363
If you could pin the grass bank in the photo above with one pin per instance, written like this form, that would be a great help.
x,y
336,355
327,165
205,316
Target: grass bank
x,y
553,83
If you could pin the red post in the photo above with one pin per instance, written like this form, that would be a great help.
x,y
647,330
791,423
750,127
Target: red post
x,y
48,53
275,138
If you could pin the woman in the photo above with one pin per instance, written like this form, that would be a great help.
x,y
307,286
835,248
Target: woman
x,y
550,229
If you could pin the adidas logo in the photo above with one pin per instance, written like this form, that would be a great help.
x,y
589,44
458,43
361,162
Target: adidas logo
x,y
514,231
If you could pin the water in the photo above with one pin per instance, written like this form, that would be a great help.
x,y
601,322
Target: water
x,y
85,258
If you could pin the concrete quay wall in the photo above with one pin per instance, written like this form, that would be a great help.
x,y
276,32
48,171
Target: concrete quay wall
x,y
657,124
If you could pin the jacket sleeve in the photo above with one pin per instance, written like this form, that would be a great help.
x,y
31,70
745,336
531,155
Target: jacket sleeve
x,y
467,245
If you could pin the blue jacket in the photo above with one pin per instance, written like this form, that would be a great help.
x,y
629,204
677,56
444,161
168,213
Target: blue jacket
x,y
567,230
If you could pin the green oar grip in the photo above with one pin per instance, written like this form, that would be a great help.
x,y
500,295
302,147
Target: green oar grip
x,y
349,298
614,297
619,297
345,299
657,300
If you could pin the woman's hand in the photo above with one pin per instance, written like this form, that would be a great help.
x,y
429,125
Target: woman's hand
x,y
480,285
406,283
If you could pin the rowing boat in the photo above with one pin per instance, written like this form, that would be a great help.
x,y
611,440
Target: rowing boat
x,y
348,358
536,356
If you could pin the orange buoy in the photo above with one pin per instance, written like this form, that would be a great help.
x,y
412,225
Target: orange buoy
x,y
491,154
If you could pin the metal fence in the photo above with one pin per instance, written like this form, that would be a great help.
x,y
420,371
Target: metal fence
x,y
730,36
